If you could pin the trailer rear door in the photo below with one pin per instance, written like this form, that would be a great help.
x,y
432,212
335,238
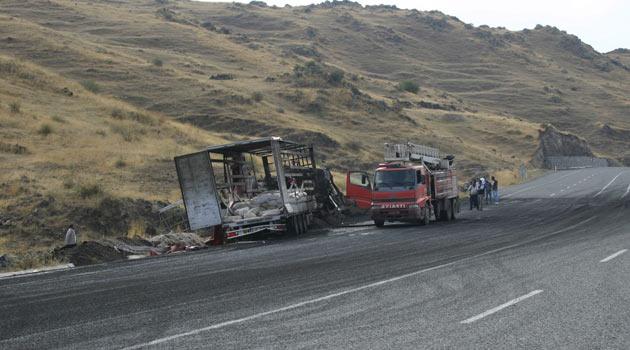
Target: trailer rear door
x,y
196,181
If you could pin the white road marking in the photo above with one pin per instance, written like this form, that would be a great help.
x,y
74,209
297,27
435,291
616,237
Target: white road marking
x,y
610,183
627,191
535,186
34,272
608,258
501,307
347,291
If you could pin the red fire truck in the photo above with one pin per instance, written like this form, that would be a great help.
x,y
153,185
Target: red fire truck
x,y
412,185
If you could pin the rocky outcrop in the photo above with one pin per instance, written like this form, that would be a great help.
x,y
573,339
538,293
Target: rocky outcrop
x,y
554,143
615,133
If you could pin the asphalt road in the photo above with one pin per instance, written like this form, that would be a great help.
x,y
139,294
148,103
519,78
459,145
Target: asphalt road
x,y
546,268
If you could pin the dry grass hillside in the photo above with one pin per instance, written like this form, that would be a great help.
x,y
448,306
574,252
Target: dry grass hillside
x,y
154,78
69,155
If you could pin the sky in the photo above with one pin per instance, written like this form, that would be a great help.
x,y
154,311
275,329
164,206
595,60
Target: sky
x,y
603,24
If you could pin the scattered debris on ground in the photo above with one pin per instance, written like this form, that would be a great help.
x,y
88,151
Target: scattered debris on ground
x,y
171,242
88,253
95,252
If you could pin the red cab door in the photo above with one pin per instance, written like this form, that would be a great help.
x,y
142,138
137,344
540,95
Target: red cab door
x,y
359,189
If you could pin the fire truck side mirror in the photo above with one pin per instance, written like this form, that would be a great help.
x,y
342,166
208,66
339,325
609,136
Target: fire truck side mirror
x,y
364,180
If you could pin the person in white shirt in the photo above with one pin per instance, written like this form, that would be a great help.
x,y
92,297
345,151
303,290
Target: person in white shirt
x,y
71,237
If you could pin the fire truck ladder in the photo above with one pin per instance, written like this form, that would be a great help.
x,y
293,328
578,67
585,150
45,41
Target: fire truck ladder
x,y
410,152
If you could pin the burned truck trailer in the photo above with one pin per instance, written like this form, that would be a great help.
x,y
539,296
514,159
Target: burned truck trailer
x,y
247,187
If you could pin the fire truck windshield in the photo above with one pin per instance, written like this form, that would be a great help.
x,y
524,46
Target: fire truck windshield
x,y
394,179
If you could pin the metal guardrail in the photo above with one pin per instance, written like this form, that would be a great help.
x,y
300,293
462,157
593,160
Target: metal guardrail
x,y
561,162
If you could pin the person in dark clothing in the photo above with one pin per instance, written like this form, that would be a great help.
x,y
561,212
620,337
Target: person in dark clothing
x,y
479,199
473,190
487,191
495,190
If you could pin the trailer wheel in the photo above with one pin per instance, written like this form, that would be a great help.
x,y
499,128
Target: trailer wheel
x,y
379,223
453,204
427,216
304,222
294,225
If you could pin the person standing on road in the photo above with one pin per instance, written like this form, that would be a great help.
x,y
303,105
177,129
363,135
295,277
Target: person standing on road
x,y
475,191
487,190
495,190
472,193
480,185
71,237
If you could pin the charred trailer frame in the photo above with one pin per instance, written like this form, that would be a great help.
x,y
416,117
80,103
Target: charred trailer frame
x,y
213,180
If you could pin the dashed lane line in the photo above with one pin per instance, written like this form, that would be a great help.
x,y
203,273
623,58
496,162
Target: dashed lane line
x,y
536,186
627,191
610,257
501,307
348,291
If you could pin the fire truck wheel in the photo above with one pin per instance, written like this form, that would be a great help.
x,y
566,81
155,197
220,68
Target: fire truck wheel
x,y
453,206
427,216
445,210
424,217
379,223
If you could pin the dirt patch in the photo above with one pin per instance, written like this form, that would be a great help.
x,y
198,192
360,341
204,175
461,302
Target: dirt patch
x,y
615,133
88,253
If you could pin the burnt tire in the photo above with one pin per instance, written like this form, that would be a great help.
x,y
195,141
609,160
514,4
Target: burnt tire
x,y
379,223
304,222
295,228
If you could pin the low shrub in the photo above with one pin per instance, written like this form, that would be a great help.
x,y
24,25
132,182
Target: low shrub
x,y
354,145
91,86
222,76
58,119
13,148
336,77
409,86
15,107
117,113
126,133
89,190
157,62
257,96
45,130
120,163
141,118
